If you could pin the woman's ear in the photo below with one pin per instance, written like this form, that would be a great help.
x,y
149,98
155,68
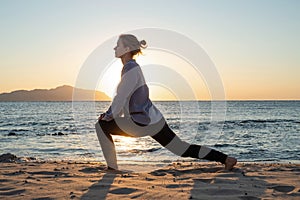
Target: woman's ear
x,y
127,49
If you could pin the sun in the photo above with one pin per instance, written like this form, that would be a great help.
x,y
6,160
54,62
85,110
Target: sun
x,y
110,78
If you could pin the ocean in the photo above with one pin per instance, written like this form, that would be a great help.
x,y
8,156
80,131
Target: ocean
x,y
266,131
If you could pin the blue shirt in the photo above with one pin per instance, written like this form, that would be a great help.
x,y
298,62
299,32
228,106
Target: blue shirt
x,y
132,97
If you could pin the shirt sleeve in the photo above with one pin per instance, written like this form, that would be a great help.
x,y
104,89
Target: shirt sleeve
x,y
125,88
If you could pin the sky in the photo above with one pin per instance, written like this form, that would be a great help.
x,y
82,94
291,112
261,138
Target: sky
x,y
253,44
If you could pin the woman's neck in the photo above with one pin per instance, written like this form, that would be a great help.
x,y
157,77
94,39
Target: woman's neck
x,y
126,57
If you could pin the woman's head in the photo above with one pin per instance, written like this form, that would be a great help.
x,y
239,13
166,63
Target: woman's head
x,y
128,43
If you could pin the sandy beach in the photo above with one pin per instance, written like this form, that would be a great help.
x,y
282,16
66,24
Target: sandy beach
x,y
184,180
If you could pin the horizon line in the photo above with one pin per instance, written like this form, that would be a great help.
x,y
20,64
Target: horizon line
x,y
255,99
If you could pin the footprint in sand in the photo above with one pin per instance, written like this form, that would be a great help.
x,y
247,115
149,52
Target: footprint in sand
x,y
149,179
13,192
122,191
177,185
90,170
283,188
158,173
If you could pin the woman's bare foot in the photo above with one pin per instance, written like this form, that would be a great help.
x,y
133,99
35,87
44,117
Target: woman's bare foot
x,y
230,162
112,170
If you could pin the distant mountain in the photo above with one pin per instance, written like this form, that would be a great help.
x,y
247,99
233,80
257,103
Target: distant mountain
x,y
61,93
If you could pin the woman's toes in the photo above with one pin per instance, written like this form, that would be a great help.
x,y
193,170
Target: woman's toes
x,y
230,162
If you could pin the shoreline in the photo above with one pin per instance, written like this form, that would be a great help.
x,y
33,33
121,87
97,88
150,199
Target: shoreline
x,y
8,157
183,180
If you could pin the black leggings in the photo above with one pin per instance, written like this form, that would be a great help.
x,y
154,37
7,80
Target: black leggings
x,y
165,136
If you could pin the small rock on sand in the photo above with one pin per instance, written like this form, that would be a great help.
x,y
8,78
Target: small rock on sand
x,y
8,157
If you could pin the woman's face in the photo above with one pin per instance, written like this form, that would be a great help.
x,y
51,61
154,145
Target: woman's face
x,y
120,49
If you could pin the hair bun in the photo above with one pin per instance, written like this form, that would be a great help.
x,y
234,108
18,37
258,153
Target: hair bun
x,y
143,44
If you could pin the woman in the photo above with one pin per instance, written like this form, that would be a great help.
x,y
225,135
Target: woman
x,y
140,116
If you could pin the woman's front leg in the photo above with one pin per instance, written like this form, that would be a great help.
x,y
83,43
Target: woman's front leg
x,y
107,144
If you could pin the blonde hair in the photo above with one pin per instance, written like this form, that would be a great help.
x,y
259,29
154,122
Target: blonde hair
x,y
133,43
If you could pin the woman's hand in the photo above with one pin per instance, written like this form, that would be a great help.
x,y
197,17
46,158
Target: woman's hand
x,y
101,116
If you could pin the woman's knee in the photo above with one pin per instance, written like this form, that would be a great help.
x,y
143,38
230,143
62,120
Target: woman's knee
x,y
100,123
101,128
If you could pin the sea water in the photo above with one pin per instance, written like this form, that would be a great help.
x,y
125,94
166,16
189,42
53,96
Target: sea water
x,y
249,130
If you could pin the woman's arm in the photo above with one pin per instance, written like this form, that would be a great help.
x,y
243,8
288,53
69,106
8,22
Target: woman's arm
x,y
126,87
